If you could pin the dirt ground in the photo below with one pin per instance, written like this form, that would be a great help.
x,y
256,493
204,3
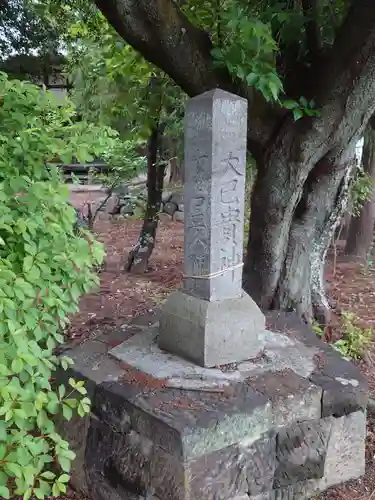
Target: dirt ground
x,y
121,296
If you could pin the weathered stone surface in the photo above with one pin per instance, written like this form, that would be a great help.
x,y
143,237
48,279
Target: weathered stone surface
x,y
281,353
184,423
177,198
91,363
166,196
102,485
259,460
211,333
215,164
301,452
179,216
208,422
169,208
346,449
75,432
293,398
168,476
143,353
345,390
131,462
220,474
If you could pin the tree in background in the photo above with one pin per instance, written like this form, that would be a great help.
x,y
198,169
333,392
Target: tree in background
x,y
114,85
361,229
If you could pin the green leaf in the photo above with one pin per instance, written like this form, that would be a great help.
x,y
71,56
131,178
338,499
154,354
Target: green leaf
x,y
274,89
4,492
17,365
67,412
48,475
64,478
55,490
62,391
290,104
297,114
65,464
14,469
3,431
27,494
251,78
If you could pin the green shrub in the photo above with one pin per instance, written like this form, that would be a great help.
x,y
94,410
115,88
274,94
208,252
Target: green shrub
x,y
44,269
354,338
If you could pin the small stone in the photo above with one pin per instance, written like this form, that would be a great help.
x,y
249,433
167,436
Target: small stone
x,y
127,209
177,198
166,196
178,216
170,208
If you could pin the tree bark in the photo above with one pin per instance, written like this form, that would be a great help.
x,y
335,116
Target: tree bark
x,y
361,228
296,281
139,256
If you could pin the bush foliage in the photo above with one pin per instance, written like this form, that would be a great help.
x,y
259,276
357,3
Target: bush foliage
x,y
45,266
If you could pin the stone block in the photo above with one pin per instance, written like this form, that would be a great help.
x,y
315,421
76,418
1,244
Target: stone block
x,y
103,482
221,474
211,333
143,353
169,208
186,424
75,431
345,390
168,476
179,216
166,196
259,462
346,449
91,364
177,199
293,397
131,462
301,452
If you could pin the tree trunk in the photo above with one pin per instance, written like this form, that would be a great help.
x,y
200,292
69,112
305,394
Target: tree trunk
x,y
286,252
361,229
138,258
176,175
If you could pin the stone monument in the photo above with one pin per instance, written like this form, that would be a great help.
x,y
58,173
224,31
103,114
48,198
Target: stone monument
x,y
282,416
212,321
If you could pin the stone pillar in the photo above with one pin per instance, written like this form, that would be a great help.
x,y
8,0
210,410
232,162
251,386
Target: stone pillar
x,y
211,320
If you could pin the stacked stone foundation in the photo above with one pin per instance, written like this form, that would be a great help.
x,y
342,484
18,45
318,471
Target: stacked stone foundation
x,y
277,434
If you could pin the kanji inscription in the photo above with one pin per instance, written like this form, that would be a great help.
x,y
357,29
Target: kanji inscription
x,y
215,161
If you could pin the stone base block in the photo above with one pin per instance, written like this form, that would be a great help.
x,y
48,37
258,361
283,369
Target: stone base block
x,y
211,333
284,426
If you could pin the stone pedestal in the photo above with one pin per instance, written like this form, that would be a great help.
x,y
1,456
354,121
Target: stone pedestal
x,y
285,425
211,333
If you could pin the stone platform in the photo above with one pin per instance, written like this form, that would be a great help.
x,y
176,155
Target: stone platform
x,y
285,425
